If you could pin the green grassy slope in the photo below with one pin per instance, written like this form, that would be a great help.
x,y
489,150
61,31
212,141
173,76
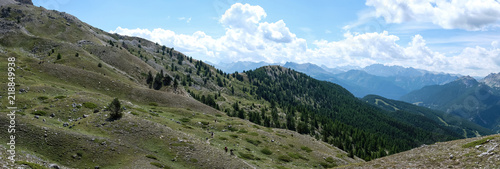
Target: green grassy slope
x,y
271,117
62,117
480,152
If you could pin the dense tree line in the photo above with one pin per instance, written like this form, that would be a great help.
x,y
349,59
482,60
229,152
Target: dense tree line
x,y
329,112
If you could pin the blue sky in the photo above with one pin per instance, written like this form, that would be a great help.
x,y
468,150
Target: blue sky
x,y
438,35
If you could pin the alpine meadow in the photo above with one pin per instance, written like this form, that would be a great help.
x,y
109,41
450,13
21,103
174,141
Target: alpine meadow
x,y
255,96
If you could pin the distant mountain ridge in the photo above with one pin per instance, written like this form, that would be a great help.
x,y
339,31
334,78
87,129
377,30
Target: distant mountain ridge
x,y
240,66
465,97
492,80
388,71
387,81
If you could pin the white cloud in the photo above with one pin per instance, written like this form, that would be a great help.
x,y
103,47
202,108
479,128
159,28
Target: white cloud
x,y
495,44
248,38
185,19
470,15
241,16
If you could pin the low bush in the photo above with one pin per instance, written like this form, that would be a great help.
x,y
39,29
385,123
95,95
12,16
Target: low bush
x,y
89,105
285,158
266,151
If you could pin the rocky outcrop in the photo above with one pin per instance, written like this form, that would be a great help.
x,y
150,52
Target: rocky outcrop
x,y
492,80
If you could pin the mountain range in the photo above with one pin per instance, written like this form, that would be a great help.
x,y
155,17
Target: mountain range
x,y
465,97
87,98
387,81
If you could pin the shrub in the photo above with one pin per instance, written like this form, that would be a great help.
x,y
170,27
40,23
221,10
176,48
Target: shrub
x,y
266,151
40,113
297,156
153,104
232,129
284,158
326,165
222,138
234,136
248,156
254,142
151,157
59,56
43,98
185,120
59,97
243,131
307,149
116,109
89,105
99,65
329,159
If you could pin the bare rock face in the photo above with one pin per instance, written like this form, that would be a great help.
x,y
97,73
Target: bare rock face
x,y
492,80
467,81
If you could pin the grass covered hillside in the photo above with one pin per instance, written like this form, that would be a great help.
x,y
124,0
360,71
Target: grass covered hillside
x,y
173,111
68,72
480,152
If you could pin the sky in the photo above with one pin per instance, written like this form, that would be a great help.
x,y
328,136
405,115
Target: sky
x,y
457,36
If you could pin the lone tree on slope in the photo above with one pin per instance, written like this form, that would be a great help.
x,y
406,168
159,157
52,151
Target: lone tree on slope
x,y
116,110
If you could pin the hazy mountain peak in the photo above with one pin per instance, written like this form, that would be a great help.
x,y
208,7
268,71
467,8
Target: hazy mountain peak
x,y
468,81
492,80
386,71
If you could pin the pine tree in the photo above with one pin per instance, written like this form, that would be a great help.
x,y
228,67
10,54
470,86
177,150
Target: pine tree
x,y
115,109
150,78
166,80
176,84
241,114
157,84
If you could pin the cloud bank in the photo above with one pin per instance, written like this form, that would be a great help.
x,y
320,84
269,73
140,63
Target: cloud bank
x,y
248,38
469,15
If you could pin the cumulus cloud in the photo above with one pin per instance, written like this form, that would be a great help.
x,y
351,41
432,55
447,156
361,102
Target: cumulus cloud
x,y
248,38
243,16
470,15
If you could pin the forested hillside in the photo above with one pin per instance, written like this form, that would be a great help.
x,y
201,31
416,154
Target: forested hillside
x,y
464,97
334,115
428,118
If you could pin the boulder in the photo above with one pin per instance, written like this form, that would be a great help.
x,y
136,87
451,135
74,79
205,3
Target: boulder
x,y
55,166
